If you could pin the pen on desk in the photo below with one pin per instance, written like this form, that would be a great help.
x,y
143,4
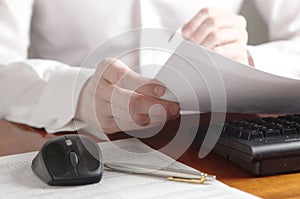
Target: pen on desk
x,y
178,175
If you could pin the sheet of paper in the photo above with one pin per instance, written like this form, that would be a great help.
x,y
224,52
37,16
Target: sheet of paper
x,y
18,181
204,81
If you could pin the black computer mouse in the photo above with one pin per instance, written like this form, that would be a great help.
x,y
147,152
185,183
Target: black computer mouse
x,y
69,160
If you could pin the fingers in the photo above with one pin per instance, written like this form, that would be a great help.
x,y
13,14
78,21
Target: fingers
x,y
117,73
105,108
136,103
224,36
141,104
221,31
143,85
116,118
108,125
211,25
229,50
111,70
122,98
121,107
133,81
211,22
203,15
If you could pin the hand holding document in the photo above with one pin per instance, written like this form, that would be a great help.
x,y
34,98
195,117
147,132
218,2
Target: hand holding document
x,y
205,81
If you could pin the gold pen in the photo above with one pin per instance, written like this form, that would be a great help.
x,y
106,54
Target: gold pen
x,y
178,175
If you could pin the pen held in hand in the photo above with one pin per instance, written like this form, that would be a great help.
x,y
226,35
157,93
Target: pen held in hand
x,y
178,175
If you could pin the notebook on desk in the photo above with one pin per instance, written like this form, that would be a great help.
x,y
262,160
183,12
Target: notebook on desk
x,y
18,180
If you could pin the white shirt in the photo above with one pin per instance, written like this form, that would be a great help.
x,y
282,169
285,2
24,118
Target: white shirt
x,y
39,92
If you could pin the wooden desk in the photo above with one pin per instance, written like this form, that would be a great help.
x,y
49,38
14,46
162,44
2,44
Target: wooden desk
x,y
16,138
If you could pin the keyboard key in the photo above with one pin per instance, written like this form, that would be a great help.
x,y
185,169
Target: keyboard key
x,y
289,131
279,127
297,127
240,123
296,118
233,131
251,135
272,133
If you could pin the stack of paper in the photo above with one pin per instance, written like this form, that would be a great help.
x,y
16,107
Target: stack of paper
x,y
204,81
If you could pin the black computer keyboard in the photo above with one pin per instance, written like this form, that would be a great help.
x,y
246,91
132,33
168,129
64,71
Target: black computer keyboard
x,y
265,146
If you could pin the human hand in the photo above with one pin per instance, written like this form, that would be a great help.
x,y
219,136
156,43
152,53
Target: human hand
x,y
117,99
221,31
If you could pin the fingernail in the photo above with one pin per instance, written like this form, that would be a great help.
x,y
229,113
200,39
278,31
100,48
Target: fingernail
x,y
159,91
173,109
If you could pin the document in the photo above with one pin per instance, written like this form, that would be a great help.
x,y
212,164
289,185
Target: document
x,y
204,81
18,181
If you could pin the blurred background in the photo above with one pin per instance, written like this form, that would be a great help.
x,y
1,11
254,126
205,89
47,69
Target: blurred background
x,y
257,29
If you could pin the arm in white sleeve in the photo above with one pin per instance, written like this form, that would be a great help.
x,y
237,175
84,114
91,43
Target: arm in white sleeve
x,y
281,55
39,93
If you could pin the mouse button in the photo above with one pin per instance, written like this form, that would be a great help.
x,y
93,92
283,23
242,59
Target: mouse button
x,y
39,168
90,156
55,159
73,158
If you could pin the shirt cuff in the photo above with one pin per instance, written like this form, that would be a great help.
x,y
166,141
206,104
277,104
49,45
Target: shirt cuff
x,y
59,100
50,96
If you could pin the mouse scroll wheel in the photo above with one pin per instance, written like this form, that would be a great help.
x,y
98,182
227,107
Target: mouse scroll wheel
x,y
69,143
73,158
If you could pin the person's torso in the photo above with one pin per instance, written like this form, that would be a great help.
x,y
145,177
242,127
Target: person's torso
x,y
67,30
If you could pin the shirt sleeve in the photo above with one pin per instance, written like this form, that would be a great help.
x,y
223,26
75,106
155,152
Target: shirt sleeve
x,y
39,93
280,56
